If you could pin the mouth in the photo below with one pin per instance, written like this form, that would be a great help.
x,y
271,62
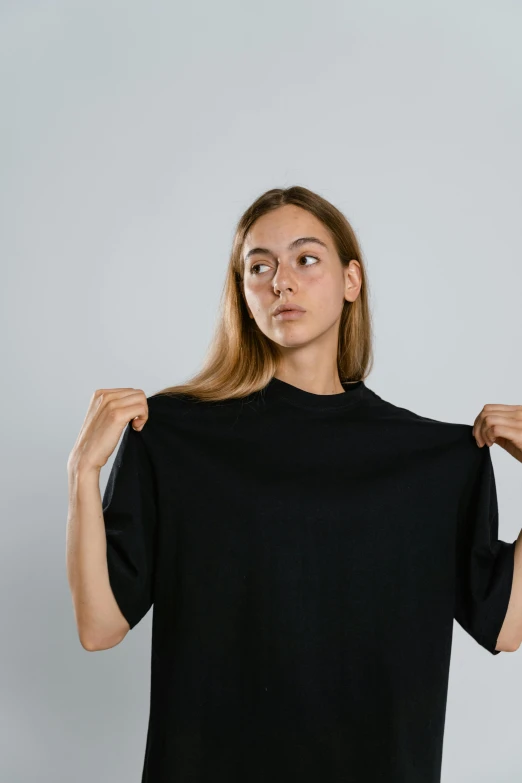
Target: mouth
x,y
290,314
287,307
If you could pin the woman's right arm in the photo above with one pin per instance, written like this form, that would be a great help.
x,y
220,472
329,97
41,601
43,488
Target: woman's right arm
x,y
99,619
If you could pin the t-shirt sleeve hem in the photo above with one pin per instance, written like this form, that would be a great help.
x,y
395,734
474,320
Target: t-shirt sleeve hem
x,y
498,609
121,594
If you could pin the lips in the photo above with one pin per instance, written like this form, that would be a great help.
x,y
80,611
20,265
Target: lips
x,y
289,315
284,308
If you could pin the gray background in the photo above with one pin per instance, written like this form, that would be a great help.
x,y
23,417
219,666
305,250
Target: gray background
x,y
133,136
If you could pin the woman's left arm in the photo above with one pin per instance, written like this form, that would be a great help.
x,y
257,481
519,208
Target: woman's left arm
x,y
502,424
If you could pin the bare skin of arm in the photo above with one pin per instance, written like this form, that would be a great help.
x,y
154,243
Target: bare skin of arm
x,y
99,619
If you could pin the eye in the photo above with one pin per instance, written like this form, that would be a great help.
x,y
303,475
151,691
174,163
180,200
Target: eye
x,y
307,256
254,266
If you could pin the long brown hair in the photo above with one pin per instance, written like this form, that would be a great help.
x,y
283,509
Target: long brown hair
x,y
241,359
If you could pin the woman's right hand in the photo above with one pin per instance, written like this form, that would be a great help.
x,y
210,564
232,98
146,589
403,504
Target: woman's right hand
x,y
109,412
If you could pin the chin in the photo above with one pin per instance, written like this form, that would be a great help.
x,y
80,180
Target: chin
x,y
292,341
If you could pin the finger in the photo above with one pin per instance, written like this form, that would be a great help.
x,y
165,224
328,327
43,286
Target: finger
x,y
487,417
137,420
116,390
492,407
496,420
506,431
112,395
496,407
479,429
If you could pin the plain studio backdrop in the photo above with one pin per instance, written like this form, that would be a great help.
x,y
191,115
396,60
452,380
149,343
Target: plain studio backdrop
x,y
133,137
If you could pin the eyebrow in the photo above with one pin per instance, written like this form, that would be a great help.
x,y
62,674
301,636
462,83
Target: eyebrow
x,y
296,243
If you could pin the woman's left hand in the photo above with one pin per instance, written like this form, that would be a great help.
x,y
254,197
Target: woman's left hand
x,y
500,424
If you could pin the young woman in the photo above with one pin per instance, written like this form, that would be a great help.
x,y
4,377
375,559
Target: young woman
x,y
306,544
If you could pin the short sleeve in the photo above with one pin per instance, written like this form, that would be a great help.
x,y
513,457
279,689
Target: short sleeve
x,y
130,515
484,564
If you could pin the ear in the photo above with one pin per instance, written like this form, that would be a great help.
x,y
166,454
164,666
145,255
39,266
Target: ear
x,y
352,280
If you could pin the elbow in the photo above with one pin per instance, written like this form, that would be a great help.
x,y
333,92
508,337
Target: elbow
x,y
88,645
92,644
507,645
100,633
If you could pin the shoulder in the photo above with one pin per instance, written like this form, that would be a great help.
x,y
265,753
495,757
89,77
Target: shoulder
x,y
424,429
170,413
173,407
163,411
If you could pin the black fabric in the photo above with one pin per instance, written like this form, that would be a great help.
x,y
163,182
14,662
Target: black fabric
x,y
305,556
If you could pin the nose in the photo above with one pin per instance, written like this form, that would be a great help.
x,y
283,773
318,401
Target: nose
x,y
283,280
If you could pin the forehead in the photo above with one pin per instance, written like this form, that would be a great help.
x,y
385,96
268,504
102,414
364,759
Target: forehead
x,y
278,228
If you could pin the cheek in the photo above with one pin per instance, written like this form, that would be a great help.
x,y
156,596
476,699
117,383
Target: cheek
x,y
254,295
323,287
325,295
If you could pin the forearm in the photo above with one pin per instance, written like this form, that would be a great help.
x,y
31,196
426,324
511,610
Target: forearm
x,y
99,620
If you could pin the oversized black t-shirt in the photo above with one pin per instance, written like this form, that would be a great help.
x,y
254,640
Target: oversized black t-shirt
x,y
305,556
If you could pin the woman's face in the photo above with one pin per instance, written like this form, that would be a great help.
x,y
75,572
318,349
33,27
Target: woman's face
x,y
281,268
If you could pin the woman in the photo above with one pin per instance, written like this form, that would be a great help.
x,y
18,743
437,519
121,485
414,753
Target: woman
x,y
306,544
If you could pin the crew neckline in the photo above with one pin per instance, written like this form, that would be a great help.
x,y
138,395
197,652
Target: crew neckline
x,y
353,393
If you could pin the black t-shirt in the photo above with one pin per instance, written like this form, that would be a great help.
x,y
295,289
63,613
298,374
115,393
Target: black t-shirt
x,y
305,556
